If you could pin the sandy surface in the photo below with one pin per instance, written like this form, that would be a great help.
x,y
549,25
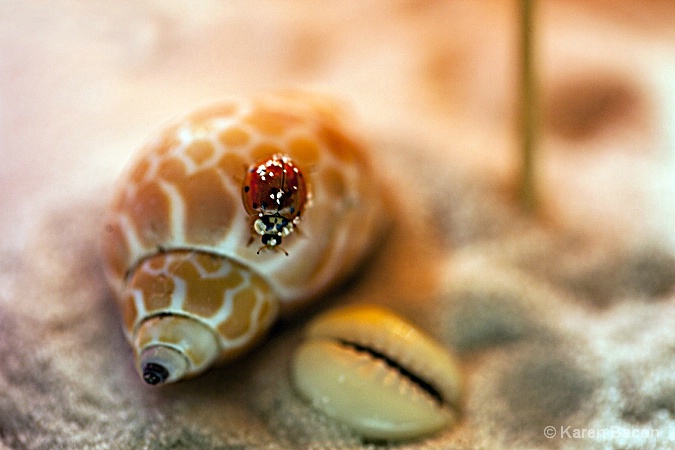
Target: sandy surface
x,y
562,320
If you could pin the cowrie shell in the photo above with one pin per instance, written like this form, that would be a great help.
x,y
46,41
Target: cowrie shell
x,y
377,373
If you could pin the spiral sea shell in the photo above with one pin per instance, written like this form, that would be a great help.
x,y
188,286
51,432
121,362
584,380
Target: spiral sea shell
x,y
178,249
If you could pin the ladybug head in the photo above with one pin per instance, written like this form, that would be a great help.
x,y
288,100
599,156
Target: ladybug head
x,y
272,228
272,242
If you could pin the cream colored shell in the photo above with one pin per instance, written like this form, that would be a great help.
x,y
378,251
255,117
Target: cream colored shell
x,y
377,373
176,241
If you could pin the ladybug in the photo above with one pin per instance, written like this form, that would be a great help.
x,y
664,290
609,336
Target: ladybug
x,y
275,192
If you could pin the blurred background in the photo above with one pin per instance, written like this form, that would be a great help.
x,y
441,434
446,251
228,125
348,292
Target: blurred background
x,y
82,84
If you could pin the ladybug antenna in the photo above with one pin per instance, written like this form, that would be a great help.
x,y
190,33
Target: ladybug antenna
x,y
276,248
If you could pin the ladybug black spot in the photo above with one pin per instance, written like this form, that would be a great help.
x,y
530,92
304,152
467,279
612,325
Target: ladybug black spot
x,y
247,188
255,206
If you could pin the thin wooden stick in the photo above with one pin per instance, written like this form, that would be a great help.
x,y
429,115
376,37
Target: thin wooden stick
x,y
528,107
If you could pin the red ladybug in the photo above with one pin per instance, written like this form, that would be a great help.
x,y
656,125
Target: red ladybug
x,y
274,190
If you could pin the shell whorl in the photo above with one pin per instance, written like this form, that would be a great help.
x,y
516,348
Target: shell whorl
x,y
177,233
228,308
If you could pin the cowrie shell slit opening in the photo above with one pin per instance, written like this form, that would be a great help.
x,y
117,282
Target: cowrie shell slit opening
x,y
377,373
